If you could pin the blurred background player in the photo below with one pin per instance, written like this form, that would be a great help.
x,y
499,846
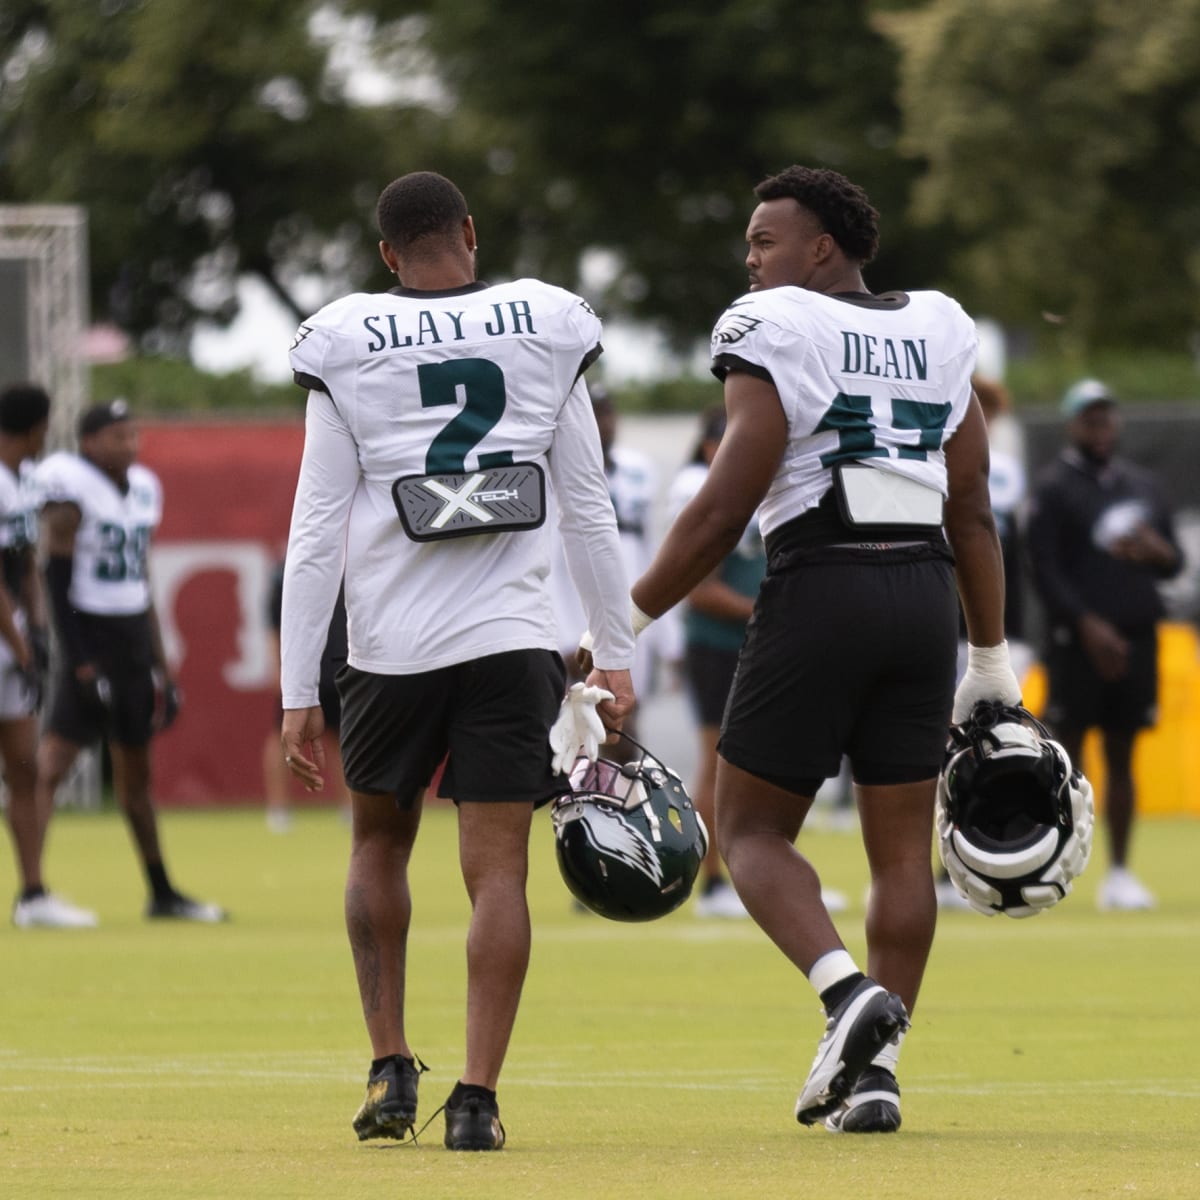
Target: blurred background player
x,y
714,627
24,654
1101,538
633,488
275,772
99,511
715,615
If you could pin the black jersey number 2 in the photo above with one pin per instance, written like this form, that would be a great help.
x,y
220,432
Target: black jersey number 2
x,y
484,398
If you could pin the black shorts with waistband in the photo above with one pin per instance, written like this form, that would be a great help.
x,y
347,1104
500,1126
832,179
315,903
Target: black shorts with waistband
x,y
122,647
850,651
490,715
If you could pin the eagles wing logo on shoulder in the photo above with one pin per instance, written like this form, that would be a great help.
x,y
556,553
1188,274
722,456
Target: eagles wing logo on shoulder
x,y
734,326
620,840
301,334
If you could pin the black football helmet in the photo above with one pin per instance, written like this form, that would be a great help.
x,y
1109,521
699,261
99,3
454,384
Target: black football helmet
x,y
628,839
1014,817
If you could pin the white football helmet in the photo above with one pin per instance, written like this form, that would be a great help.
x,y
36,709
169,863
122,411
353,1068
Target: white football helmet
x,y
1014,818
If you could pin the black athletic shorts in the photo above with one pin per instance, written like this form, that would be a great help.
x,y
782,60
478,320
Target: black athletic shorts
x,y
1080,699
491,715
123,651
851,653
709,673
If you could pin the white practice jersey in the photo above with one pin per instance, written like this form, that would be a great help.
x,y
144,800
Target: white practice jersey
x,y
407,383
109,577
18,536
881,380
18,508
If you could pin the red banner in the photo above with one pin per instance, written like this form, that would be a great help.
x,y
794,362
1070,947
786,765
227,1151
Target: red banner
x,y
227,498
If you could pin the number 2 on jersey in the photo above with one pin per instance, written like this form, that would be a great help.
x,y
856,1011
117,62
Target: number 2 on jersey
x,y
484,399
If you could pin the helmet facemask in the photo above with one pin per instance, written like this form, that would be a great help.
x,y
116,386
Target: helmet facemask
x,y
1014,817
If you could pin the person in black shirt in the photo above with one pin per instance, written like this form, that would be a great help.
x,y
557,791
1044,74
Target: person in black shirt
x,y
1100,538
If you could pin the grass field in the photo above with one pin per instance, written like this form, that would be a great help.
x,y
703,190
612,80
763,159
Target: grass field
x,y
1058,1057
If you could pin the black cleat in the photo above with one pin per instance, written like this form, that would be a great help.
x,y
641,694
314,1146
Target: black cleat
x,y
474,1122
390,1109
181,908
858,1029
873,1106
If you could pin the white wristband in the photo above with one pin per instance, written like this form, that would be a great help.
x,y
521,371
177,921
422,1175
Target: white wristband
x,y
638,619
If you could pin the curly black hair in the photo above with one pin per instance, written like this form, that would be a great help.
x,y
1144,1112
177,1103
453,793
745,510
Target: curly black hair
x,y
842,207
22,407
421,204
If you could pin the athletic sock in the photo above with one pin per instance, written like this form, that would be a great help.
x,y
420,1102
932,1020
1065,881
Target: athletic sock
x,y
160,884
32,893
834,976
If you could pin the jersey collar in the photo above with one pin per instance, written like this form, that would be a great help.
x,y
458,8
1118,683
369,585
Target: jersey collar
x,y
418,294
886,300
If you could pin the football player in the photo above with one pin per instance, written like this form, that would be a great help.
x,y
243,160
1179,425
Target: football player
x,y
24,655
99,511
853,430
438,415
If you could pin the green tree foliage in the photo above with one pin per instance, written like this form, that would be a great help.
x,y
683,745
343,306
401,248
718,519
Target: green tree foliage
x,y
205,139
1033,157
1062,148
641,129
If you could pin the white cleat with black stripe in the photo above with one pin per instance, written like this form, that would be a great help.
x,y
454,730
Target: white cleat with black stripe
x,y
866,1021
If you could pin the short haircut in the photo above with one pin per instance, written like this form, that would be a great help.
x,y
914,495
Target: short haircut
x,y
422,204
840,206
103,415
23,406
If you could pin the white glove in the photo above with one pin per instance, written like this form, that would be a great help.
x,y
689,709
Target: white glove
x,y
989,676
578,729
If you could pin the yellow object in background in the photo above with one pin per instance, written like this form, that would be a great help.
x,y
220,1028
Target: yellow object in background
x,y
1166,759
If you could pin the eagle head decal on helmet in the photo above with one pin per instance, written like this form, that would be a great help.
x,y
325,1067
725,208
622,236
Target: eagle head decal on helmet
x,y
628,839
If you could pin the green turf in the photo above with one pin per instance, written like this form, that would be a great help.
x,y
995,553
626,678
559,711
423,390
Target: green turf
x,y
1056,1057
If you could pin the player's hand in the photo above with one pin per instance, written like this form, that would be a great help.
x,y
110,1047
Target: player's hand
x,y
578,729
94,687
39,648
638,620
1146,546
989,676
168,700
613,711
1105,647
303,751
